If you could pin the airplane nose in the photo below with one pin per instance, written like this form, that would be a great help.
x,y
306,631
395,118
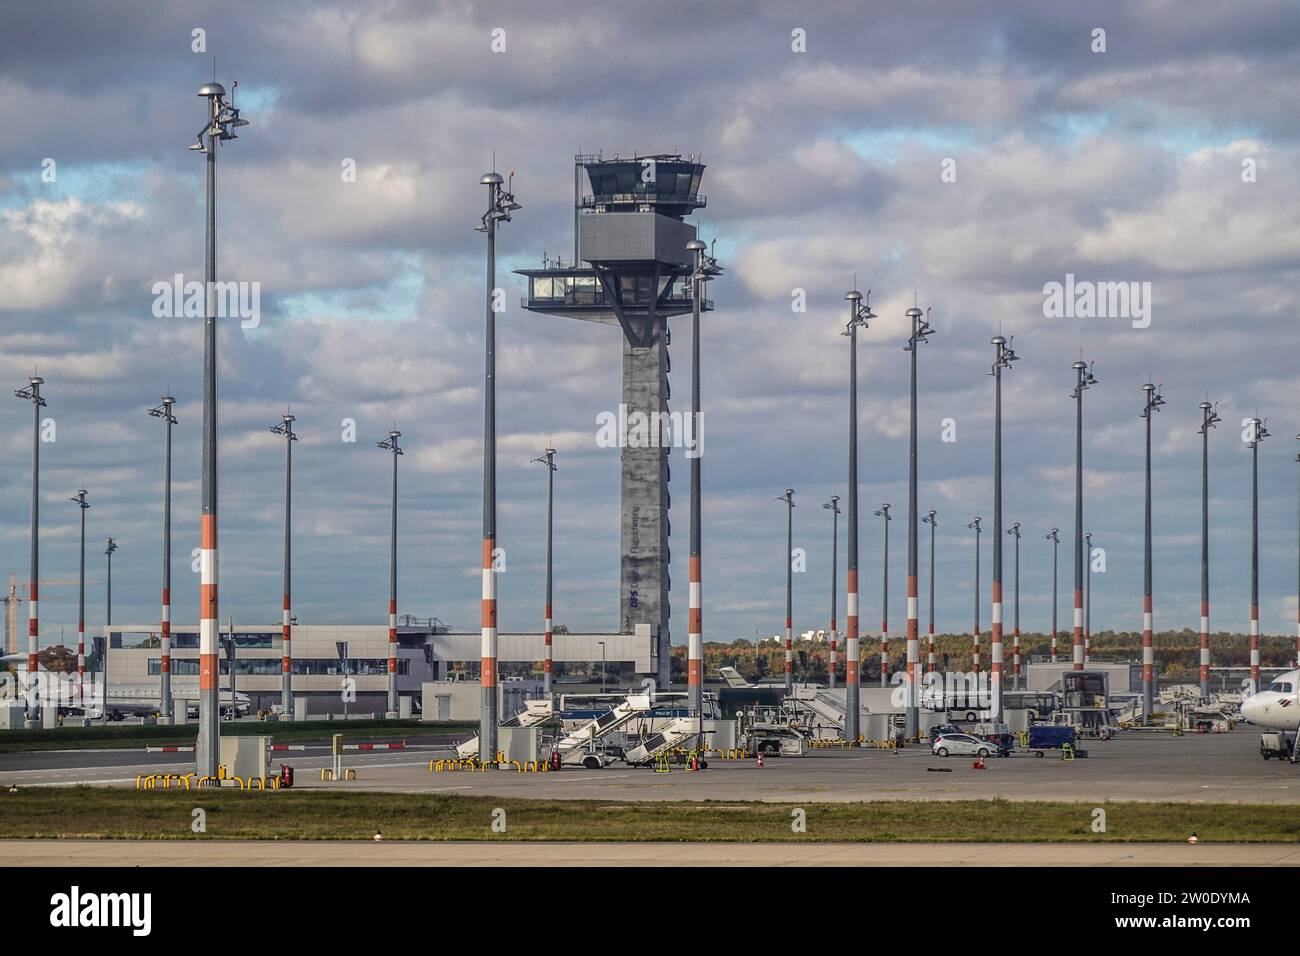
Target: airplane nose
x,y
1251,710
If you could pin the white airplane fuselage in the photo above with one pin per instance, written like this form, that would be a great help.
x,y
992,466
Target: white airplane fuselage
x,y
1276,706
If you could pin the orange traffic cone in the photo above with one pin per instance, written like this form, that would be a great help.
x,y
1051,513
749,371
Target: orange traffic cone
x,y
760,761
978,764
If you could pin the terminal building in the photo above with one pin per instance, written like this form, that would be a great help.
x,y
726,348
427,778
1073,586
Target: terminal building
x,y
427,651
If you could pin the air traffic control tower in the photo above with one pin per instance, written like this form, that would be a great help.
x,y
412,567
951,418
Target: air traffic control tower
x,y
630,269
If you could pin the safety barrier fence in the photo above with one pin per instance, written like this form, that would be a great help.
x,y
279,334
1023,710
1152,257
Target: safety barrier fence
x,y
165,781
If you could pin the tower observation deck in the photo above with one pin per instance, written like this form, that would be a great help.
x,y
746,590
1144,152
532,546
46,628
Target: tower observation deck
x,y
631,268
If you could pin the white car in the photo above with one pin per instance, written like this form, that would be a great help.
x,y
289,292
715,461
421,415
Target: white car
x,y
946,744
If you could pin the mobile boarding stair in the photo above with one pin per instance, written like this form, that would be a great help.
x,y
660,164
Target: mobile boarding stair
x,y
825,708
535,712
579,747
679,732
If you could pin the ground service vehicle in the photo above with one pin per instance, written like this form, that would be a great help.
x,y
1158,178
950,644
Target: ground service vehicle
x,y
946,744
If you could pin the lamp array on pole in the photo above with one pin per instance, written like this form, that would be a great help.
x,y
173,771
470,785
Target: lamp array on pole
x,y
1014,531
501,203
1004,355
1083,380
80,499
1054,536
860,315
1257,433
921,331
975,632
883,513
222,120
833,506
164,411
703,268
788,498
548,665
1209,418
932,520
1151,406
285,428
1087,601
108,614
390,444
32,393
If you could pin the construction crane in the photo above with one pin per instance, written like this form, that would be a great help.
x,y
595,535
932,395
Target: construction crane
x,y
12,600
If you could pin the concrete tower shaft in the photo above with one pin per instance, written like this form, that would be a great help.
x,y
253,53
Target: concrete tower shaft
x,y
633,270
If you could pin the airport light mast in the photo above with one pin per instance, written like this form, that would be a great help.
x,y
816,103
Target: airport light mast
x,y
548,665
32,393
1257,433
222,121
860,315
1153,402
1087,601
833,506
164,411
390,444
975,634
921,331
788,498
1014,531
932,520
108,612
1083,380
1209,418
501,203
285,428
80,499
1004,355
1054,536
703,268
883,513
1297,636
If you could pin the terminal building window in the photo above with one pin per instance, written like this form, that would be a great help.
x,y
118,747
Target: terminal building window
x,y
180,667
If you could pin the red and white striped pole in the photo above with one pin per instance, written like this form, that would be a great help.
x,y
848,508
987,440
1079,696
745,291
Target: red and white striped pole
x,y
1152,404
548,664
1209,418
221,120
285,428
1257,434
833,506
859,315
1015,626
32,393
1083,379
164,411
390,444
932,520
883,512
788,498
975,634
703,266
80,499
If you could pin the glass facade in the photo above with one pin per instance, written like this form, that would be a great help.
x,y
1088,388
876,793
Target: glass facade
x,y
586,290
270,666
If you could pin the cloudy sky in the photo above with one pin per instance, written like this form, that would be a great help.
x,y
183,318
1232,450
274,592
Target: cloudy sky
x,y
1167,159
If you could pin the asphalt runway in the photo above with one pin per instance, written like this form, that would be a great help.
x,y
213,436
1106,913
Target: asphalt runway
x,y
1139,766
174,853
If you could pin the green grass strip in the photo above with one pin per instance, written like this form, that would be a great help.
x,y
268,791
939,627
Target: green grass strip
x,y
91,812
